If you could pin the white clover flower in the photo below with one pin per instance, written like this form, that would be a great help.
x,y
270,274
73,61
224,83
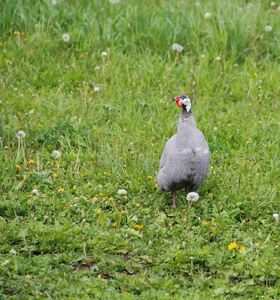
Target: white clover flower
x,y
192,196
97,69
56,154
35,192
218,59
235,65
103,55
197,4
54,2
268,28
114,1
96,89
273,4
66,37
276,217
202,56
207,15
122,192
21,134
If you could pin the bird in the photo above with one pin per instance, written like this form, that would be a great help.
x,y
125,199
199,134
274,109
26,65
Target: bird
x,y
185,159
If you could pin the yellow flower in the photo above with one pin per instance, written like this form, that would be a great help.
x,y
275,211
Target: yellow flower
x,y
252,193
98,211
115,224
124,129
256,263
138,205
213,228
241,249
55,175
28,276
18,167
138,227
149,177
101,194
17,33
25,40
205,223
29,203
123,212
255,74
99,276
94,198
30,173
61,190
232,246
31,161
89,183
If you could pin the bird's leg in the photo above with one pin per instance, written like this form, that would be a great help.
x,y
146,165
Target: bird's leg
x,y
173,199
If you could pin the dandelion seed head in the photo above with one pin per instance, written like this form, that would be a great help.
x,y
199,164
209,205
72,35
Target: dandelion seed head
x,y
273,4
177,47
96,89
276,217
35,192
103,55
192,196
66,37
122,192
268,28
21,134
56,154
97,69
218,59
207,15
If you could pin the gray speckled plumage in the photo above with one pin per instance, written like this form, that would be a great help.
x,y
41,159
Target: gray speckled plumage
x,y
185,159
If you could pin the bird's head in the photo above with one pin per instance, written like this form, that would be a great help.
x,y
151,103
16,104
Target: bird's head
x,y
183,101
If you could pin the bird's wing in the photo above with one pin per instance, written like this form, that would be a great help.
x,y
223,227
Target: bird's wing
x,y
168,149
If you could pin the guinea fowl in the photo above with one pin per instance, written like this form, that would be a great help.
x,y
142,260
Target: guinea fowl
x,y
185,159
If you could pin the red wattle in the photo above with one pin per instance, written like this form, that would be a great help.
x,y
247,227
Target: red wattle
x,y
179,103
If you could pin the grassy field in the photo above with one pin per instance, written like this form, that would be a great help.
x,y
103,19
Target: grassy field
x,y
63,232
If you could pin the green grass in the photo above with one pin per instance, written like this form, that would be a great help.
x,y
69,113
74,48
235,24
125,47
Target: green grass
x,y
65,243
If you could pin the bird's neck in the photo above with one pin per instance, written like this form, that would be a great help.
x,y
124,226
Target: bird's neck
x,y
185,114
